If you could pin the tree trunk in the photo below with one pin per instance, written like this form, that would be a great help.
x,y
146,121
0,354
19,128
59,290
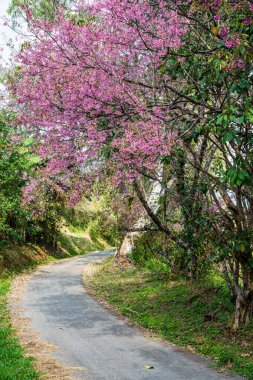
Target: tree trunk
x,y
128,244
243,308
129,240
244,300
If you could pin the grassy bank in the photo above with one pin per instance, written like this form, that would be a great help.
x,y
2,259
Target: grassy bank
x,y
193,315
14,365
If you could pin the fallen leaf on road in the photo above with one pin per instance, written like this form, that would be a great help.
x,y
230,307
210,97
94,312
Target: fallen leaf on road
x,y
191,348
148,366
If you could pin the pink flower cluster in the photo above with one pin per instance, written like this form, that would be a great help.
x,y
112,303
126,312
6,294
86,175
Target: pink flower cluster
x,y
238,63
90,88
233,41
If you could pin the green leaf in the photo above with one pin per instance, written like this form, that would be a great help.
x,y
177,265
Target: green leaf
x,y
240,120
229,136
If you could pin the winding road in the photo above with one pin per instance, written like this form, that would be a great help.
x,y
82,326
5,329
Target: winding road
x,y
87,335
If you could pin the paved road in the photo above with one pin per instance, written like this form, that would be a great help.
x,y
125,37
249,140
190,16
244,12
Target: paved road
x,y
89,336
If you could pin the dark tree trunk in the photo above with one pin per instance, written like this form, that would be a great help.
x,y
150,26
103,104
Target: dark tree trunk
x,y
244,299
243,308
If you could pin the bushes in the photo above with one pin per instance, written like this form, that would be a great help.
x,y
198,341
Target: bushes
x,y
95,216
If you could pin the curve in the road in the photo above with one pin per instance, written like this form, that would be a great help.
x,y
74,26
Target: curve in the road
x,y
87,335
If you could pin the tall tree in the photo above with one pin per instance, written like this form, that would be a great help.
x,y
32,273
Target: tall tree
x,y
136,85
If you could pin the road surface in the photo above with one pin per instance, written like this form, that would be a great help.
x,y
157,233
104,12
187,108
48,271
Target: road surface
x,y
87,335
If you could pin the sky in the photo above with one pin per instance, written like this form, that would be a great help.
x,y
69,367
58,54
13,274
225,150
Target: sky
x,y
6,33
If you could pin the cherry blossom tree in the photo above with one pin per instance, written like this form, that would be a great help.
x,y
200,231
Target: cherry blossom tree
x,y
136,89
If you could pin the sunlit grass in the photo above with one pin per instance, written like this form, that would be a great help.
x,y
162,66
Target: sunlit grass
x,y
194,315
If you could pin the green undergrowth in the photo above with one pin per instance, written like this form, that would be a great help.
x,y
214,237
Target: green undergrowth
x,y
75,242
14,365
193,315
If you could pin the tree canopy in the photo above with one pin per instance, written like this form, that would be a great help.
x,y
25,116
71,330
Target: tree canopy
x,y
151,93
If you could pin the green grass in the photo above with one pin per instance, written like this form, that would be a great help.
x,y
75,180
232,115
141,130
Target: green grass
x,y
77,243
176,309
14,365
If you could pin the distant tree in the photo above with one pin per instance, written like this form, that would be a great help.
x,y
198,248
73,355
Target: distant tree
x,y
15,163
45,9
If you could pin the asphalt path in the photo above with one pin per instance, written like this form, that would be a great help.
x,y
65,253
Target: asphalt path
x,y
89,336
